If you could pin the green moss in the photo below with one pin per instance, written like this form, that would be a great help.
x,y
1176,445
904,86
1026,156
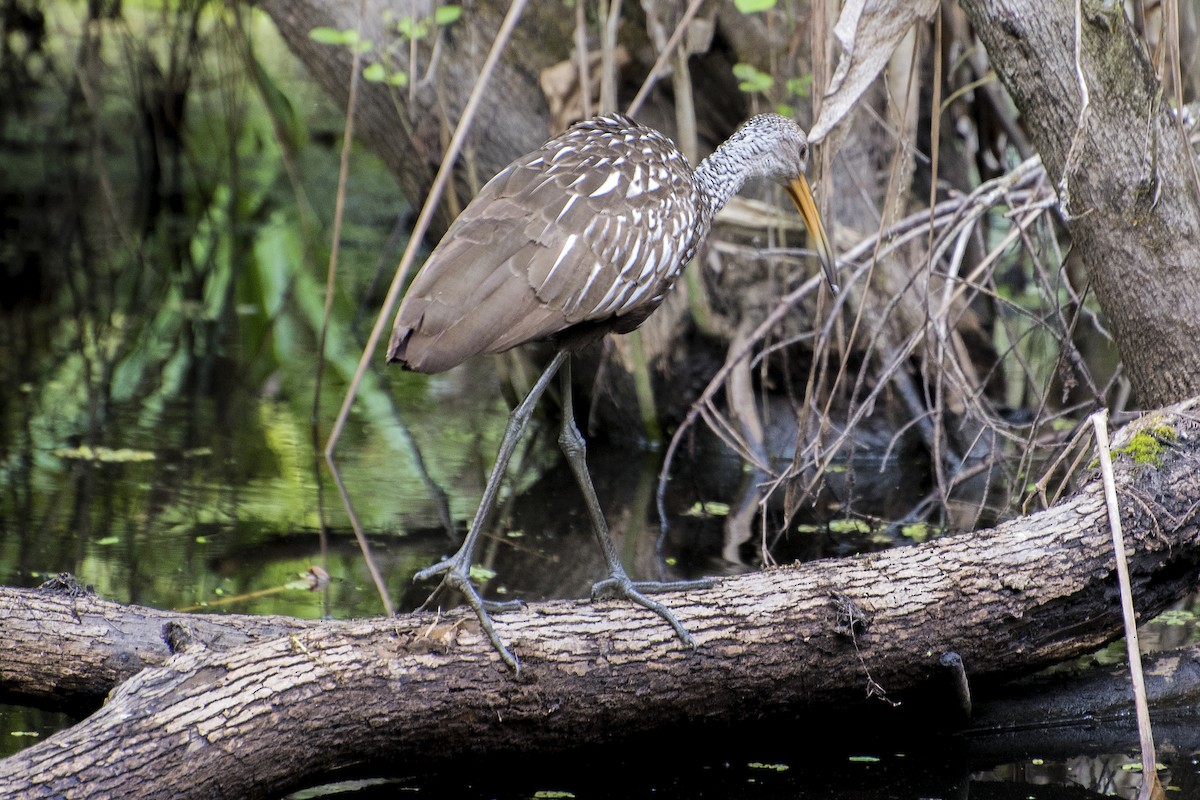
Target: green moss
x,y
1147,446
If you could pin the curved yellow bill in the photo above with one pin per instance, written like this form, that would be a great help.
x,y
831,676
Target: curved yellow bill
x,y
802,197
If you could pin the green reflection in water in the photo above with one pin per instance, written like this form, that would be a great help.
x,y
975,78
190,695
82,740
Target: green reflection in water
x,y
164,261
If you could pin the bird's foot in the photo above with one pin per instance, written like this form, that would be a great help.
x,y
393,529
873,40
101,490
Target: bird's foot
x,y
456,576
619,585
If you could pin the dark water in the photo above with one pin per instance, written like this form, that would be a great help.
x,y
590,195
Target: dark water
x,y
159,321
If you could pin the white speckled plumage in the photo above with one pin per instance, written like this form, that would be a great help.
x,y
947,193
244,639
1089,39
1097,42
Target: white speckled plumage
x,y
584,235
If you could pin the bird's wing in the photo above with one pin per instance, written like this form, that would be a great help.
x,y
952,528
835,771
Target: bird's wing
x,y
563,236
609,226
472,296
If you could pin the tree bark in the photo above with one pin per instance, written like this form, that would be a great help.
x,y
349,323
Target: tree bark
x,y
282,711
67,651
1123,172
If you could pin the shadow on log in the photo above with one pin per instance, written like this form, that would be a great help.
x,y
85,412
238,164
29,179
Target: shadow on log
x,y
254,708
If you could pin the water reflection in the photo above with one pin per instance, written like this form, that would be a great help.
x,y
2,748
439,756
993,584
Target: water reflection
x,y
220,496
769,762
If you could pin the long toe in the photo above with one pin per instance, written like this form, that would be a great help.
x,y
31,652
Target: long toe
x,y
619,586
478,604
458,580
441,568
657,587
498,606
456,577
480,607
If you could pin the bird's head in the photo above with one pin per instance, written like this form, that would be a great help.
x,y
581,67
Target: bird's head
x,y
773,146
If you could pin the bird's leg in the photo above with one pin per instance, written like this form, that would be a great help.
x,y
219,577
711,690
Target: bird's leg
x,y
618,583
456,570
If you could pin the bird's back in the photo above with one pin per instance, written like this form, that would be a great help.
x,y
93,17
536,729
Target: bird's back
x,y
590,232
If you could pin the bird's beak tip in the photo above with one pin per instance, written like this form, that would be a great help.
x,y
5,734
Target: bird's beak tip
x,y
802,196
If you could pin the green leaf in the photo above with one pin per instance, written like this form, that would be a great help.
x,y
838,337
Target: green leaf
x,y
398,78
916,531
481,574
412,28
447,15
848,526
333,36
375,73
753,6
108,540
290,125
707,508
801,86
347,38
751,78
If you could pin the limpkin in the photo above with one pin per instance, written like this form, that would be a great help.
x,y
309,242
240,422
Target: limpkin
x,y
583,236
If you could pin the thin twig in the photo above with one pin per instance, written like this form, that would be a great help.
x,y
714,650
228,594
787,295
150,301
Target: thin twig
x,y
1150,784
1064,189
661,61
330,286
581,52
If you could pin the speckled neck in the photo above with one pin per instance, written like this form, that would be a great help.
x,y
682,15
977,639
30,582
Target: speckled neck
x,y
767,146
722,174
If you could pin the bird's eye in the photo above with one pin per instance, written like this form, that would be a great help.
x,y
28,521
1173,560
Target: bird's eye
x,y
804,152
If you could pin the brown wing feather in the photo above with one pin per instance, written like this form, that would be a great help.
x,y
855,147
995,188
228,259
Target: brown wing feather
x,y
559,238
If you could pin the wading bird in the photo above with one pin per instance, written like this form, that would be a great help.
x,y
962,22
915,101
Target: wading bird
x,y
584,236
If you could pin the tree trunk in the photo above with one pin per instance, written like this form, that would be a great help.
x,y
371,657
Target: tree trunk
x,y
410,129
282,711
1123,171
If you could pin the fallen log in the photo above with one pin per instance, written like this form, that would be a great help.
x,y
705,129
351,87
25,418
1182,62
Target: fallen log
x,y
281,712
64,648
